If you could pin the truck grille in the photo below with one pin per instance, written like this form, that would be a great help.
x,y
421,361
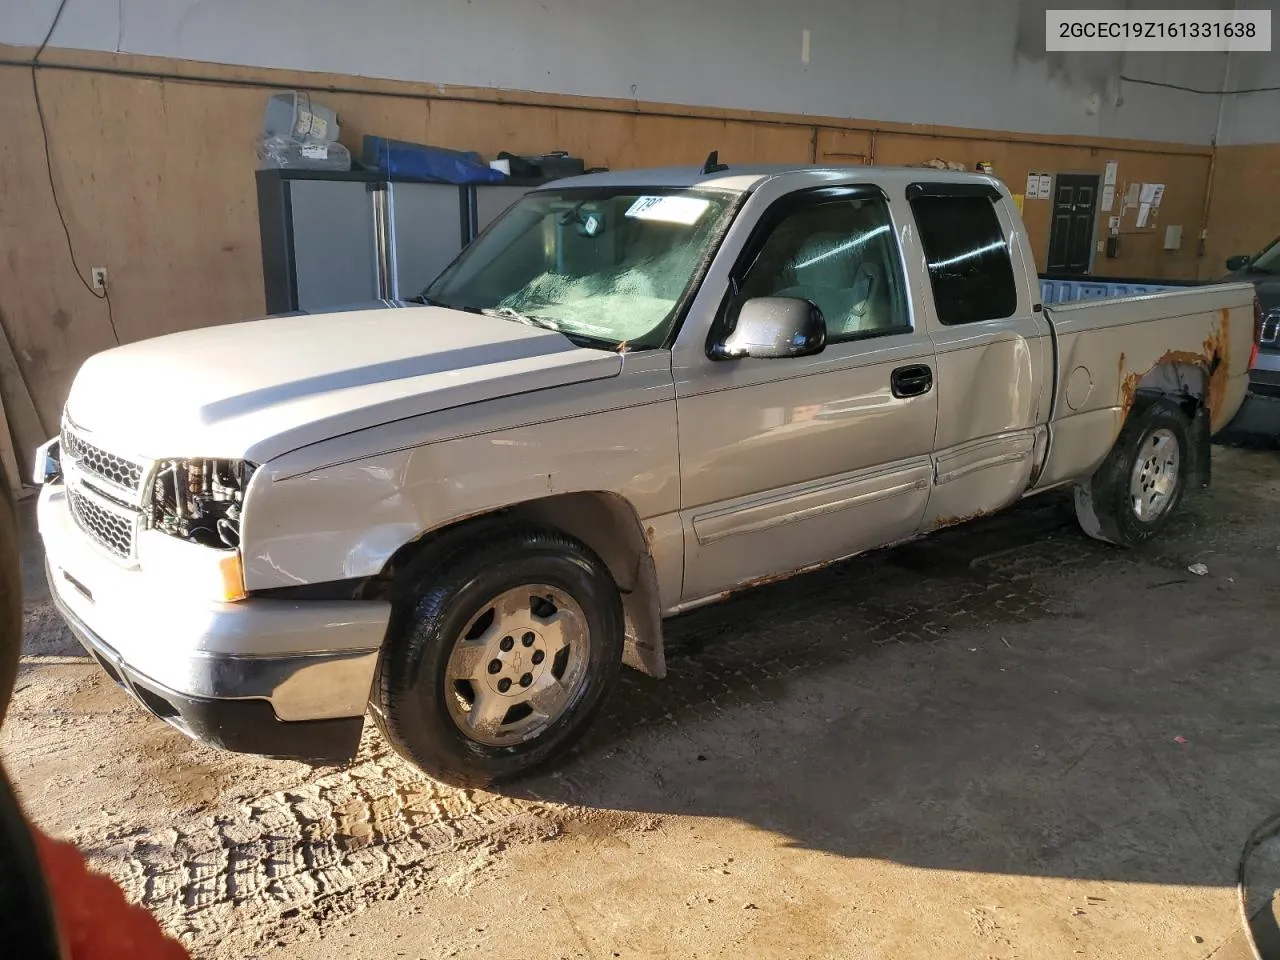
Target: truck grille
x,y
104,492
111,529
98,463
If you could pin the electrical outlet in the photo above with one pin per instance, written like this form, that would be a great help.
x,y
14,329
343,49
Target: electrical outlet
x,y
99,275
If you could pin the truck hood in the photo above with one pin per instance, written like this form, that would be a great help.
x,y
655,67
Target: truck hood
x,y
257,390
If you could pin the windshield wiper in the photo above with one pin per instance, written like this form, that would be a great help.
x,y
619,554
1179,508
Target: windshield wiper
x,y
426,301
508,313
546,323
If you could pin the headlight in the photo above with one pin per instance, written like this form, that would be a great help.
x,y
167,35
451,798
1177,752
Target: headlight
x,y
193,516
200,500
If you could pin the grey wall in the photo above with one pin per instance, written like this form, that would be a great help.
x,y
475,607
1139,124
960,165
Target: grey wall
x,y
970,63
1252,117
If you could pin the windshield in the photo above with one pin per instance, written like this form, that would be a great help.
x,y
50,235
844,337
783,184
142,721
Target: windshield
x,y
1268,261
603,266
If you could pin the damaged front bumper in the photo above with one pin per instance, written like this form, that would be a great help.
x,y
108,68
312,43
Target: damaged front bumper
x,y
272,677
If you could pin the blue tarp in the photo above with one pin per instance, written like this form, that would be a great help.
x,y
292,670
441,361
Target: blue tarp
x,y
415,161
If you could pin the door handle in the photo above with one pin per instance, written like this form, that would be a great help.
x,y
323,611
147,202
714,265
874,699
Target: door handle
x,y
911,381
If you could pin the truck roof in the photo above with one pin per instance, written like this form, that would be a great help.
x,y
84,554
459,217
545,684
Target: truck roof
x,y
739,179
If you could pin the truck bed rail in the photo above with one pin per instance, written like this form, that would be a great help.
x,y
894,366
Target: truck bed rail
x,y
1054,290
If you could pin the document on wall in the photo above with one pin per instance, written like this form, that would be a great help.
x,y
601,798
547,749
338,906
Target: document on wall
x,y
1131,195
1109,178
1157,195
1108,197
1033,185
1148,194
1046,186
1144,213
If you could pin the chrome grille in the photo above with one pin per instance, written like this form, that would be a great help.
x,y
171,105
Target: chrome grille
x,y
96,462
111,529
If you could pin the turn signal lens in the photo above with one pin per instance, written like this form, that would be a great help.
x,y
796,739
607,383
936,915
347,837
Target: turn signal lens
x,y
231,575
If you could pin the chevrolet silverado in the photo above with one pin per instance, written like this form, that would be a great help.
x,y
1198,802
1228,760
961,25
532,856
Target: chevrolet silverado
x,y
636,393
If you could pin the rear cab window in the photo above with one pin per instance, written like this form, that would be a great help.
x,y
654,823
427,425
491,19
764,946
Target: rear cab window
x,y
969,262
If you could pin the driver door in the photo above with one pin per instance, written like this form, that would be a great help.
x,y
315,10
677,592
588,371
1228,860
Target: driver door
x,y
790,463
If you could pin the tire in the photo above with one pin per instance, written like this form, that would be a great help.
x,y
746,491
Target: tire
x,y
1141,483
440,697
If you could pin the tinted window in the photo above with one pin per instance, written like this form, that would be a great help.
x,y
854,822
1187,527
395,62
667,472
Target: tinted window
x,y
968,255
842,256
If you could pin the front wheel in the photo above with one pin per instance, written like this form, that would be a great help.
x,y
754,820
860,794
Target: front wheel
x,y
502,659
1139,486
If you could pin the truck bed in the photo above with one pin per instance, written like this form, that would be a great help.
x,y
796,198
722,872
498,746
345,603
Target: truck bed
x,y
1054,289
1193,337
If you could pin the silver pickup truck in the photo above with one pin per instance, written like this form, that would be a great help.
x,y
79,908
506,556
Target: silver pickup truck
x,y
635,393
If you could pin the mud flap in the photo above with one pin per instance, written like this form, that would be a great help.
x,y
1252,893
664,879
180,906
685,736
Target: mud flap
x,y
1200,434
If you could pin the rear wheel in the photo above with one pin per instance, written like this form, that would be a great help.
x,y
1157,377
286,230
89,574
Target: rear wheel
x,y
1141,483
501,658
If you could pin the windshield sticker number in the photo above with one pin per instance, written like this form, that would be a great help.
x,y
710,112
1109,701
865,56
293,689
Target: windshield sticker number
x,y
681,210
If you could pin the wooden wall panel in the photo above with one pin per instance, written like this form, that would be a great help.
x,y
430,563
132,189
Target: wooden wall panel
x,y
843,147
1244,212
157,181
617,141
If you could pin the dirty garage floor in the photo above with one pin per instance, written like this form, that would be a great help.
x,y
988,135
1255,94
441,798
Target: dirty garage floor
x,y
1002,741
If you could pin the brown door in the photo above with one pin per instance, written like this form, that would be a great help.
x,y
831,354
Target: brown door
x,y
1075,201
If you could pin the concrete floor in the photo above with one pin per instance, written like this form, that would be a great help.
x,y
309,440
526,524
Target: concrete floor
x,y
1003,741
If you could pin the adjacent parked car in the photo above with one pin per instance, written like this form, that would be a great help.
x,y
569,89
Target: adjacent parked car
x,y
1261,414
636,393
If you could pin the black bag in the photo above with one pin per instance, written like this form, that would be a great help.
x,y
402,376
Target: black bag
x,y
549,166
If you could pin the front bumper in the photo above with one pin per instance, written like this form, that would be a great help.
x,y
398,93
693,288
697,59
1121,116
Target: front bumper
x,y
1264,382
273,677
1259,414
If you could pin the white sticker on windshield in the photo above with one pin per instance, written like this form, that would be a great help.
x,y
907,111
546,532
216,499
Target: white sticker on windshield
x,y
682,210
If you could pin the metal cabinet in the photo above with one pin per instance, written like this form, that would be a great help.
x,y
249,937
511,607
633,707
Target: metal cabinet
x,y
336,239
491,200
426,228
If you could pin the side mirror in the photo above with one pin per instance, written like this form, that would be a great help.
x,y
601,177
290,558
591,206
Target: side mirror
x,y
1238,262
48,467
772,327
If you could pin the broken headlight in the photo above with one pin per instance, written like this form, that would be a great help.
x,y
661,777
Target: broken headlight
x,y
200,500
